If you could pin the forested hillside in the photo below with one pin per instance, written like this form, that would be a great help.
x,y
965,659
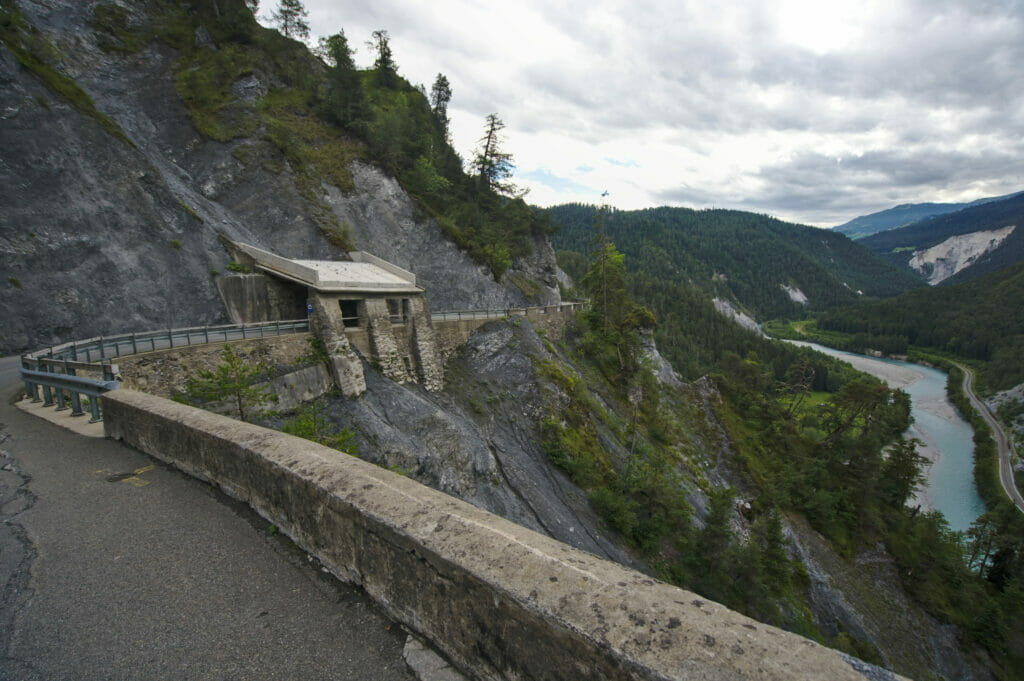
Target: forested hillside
x,y
980,320
791,415
738,256
898,245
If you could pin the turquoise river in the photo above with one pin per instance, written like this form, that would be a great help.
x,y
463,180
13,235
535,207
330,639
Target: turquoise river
x,y
947,439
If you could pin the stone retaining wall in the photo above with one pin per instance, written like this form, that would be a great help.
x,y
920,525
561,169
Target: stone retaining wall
x,y
501,601
166,372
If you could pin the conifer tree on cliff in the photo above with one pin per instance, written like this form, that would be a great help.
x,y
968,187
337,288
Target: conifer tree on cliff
x,y
290,17
440,95
384,68
493,165
345,102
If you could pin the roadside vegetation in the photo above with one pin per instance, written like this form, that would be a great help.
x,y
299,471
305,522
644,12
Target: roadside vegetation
x,y
233,382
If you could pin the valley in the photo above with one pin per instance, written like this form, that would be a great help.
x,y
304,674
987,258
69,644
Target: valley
x,y
657,427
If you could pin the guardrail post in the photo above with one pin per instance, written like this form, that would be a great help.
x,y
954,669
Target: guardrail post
x,y
135,350
47,396
206,333
101,348
61,400
31,390
76,404
94,409
170,338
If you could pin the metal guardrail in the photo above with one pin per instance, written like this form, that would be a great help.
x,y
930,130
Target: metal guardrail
x,y
107,347
55,385
458,315
53,370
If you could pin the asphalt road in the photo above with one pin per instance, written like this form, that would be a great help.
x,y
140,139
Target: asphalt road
x,y
114,566
1002,443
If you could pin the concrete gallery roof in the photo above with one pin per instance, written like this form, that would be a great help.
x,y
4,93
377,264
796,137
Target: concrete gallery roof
x,y
365,273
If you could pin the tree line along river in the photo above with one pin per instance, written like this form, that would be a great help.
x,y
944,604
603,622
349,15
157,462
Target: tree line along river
x,y
947,440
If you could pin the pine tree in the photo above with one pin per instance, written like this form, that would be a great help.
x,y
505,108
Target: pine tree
x,y
231,381
385,69
440,95
345,102
290,17
493,165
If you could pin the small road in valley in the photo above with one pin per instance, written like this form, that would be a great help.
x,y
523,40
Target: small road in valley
x,y
1001,440
116,566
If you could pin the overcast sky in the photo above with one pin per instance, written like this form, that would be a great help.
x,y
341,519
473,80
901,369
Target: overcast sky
x,y
815,111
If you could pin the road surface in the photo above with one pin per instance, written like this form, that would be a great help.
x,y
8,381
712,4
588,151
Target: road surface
x,y
999,435
114,566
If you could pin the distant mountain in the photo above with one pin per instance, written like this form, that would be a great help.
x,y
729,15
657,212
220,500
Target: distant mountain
x,y
959,246
770,268
904,214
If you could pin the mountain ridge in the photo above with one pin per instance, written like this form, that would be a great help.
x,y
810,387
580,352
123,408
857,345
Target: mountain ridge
x,y
770,268
898,246
905,214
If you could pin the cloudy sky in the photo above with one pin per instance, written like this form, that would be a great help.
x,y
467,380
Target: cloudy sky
x,y
814,111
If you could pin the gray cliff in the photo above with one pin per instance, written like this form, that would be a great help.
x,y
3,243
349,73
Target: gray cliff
x,y
101,234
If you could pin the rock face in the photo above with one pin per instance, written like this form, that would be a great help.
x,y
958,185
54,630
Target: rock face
x,y
863,598
942,261
99,235
746,321
479,441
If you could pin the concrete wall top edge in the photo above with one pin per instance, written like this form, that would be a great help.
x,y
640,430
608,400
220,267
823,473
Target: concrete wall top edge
x,y
668,632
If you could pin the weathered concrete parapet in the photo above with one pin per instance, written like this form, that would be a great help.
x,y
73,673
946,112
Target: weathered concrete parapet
x,y
345,365
501,601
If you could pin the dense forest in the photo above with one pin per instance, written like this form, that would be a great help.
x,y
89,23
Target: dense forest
x,y
741,257
979,320
897,245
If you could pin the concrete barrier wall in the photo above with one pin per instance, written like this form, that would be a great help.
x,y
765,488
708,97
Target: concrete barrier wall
x,y
501,601
451,333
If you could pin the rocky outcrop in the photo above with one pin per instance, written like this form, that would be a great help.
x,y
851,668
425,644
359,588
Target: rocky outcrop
x,y
479,439
942,261
738,316
102,234
382,220
862,598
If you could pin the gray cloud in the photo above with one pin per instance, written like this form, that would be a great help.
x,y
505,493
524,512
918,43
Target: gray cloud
x,y
922,101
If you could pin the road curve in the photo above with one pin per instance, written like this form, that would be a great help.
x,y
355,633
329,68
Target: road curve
x,y
115,566
1002,442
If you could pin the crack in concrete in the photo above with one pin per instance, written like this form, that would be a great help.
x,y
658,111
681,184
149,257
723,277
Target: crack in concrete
x,y
17,554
